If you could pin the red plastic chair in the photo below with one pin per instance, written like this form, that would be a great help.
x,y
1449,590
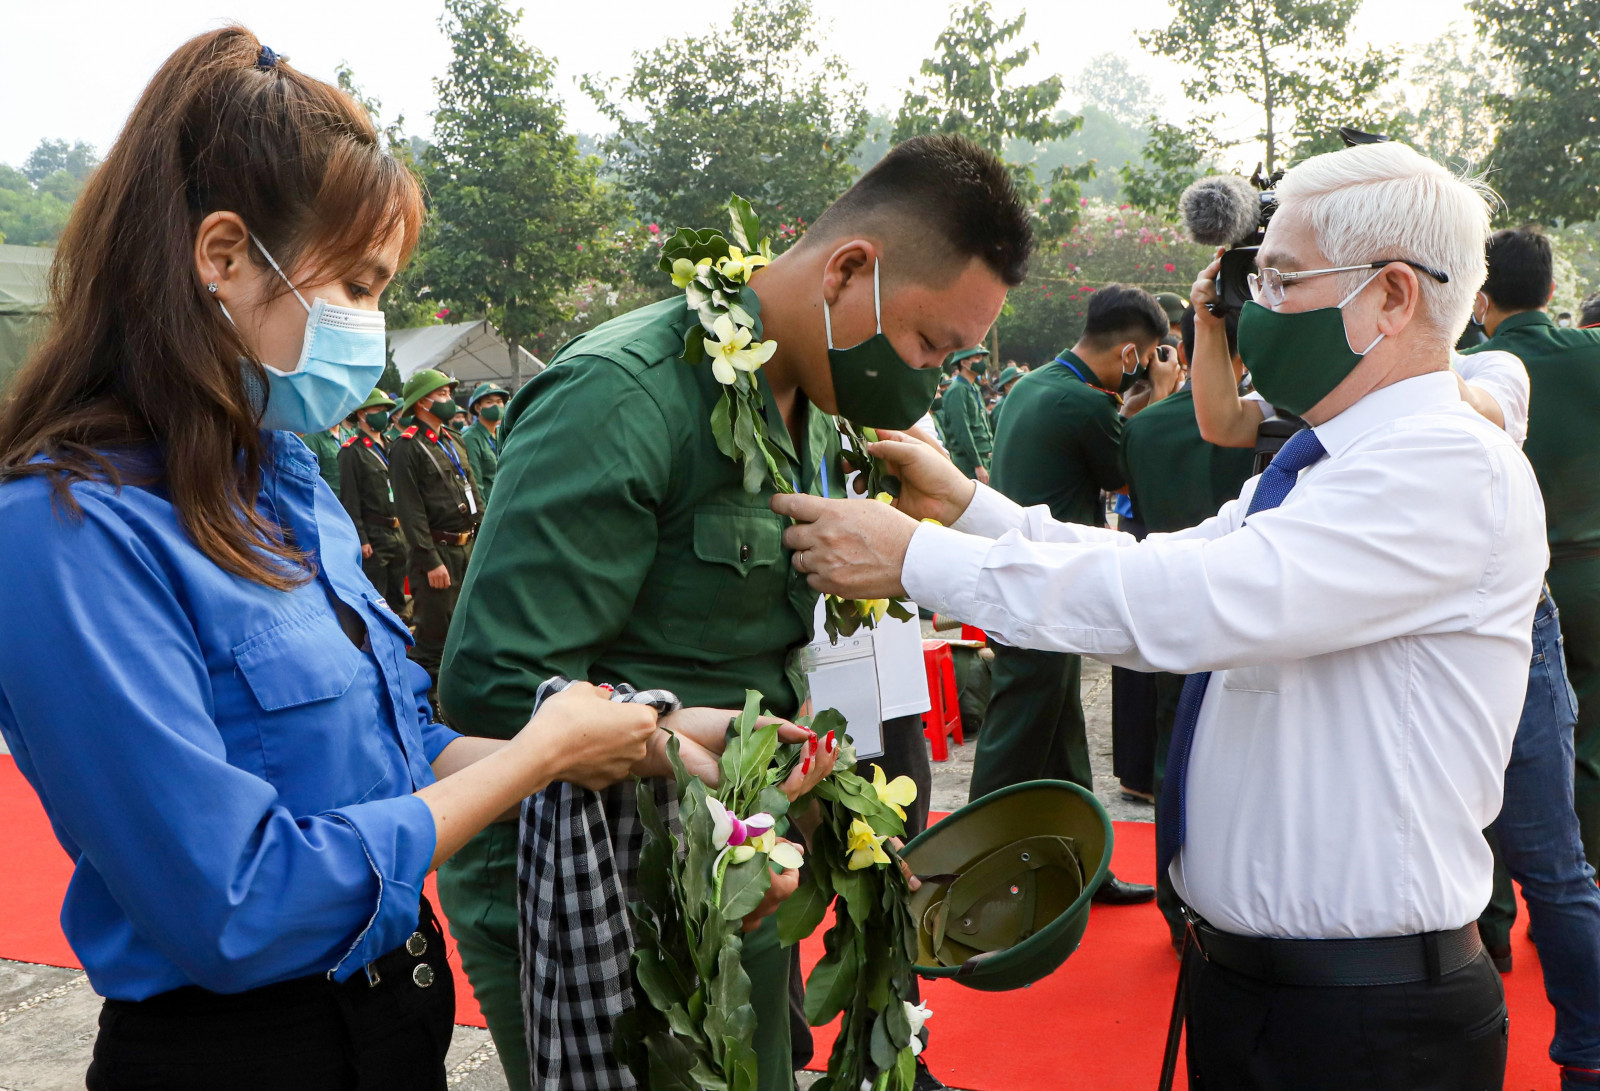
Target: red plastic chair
x,y
972,632
944,718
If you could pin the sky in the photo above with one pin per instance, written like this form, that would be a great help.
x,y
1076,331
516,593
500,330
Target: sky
x,y
72,69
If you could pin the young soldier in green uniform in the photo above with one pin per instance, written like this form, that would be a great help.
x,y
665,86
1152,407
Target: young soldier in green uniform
x,y
621,546
1059,445
439,505
1178,480
366,493
966,425
1008,379
1564,448
488,405
325,445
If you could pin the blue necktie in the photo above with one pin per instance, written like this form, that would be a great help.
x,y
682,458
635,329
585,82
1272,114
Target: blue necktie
x,y
1277,479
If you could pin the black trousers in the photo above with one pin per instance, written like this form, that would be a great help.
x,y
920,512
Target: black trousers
x,y
1248,1035
308,1034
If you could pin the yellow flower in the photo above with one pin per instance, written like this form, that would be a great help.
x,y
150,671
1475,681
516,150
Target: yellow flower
x,y
866,847
884,498
872,608
731,351
898,793
682,272
785,854
738,265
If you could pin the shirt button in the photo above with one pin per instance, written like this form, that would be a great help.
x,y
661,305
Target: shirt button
x,y
744,552
422,975
417,945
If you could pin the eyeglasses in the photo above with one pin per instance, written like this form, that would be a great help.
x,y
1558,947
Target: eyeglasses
x,y
1268,286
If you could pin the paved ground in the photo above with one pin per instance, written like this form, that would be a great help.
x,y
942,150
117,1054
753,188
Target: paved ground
x,y
47,1014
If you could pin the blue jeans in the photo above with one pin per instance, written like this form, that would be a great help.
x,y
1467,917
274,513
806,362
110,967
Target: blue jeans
x,y
1539,843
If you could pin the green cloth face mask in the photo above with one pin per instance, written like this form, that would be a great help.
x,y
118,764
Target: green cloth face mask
x,y
491,413
873,386
377,420
1297,358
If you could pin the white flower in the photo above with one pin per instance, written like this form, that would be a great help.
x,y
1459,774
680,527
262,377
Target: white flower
x,y
731,351
917,1015
721,822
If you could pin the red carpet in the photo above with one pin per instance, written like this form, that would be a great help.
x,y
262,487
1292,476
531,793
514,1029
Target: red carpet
x,y
1097,1022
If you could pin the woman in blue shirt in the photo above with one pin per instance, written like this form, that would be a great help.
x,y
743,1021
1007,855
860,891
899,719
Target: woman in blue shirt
x,y
213,703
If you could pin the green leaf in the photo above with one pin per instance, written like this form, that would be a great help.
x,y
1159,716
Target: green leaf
x,y
694,345
800,914
670,1062
855,888
829,719
898,611
905,1070
883,1051
832,983
759,749
746,228
744,886
721,424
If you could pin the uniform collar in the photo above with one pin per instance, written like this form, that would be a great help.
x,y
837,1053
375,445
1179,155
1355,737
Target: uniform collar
x,y
1418,394
1080,370
1523,318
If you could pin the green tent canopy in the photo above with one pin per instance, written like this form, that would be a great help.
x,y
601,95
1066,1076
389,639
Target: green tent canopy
x,y
24,272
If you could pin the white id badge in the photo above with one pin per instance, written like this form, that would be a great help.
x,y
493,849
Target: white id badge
x,y
472,505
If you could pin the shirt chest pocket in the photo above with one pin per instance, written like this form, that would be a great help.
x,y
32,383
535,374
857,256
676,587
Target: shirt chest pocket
x,y
318,715
723,599
1266,678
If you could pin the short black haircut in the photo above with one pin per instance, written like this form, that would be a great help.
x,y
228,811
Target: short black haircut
x,y
1521,268
954,200
1186,328
1589,311
1120,311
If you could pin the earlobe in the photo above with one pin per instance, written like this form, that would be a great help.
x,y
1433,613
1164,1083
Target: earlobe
x,y
220,246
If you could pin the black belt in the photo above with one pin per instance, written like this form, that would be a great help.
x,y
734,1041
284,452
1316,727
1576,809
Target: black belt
x,y
1391,960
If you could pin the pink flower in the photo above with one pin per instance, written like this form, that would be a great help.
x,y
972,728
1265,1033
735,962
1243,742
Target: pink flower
x,y
1083,202
443,312
1047,200
580,246
1169,267
655,229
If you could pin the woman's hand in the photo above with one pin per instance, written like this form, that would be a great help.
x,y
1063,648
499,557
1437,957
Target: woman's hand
x,y
930,485
816,762
1204,292
595,741
783,885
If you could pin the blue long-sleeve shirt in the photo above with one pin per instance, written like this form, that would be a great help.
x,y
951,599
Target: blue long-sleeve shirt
x,y
229,772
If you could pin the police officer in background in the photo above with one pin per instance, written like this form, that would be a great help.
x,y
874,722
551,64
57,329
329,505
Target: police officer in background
x,y
439,504
488,405
966,424
367,494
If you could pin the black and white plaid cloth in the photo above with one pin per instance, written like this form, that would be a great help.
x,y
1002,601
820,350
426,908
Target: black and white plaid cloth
x,y
577,854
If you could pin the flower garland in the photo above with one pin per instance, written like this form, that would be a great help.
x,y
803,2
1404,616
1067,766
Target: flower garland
x,y
699,1027
714,273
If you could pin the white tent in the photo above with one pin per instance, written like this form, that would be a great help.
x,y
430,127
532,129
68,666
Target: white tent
x,y
472,352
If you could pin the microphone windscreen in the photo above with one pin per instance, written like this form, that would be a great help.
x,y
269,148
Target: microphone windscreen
x,y
1220,210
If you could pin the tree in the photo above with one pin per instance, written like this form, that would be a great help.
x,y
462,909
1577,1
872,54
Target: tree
x,y
1287,57
750,108
1547,151
78,161
1441,104
517,213
1173,158
1109,82
35,216
964,90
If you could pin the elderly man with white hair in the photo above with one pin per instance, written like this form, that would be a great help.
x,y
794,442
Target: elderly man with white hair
x,y
1357,624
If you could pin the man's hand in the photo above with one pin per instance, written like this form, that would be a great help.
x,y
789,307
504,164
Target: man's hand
x,y
981,474
439,578
845,547
930,485
1204,291
1165,373
366,550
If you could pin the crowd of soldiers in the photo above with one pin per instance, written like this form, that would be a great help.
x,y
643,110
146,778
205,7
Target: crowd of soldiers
x,y
415,474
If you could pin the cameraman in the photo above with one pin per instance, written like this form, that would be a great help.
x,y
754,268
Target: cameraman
x,y
1369,630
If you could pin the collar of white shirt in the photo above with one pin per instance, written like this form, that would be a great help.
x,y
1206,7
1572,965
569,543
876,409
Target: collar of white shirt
x,y
1389,403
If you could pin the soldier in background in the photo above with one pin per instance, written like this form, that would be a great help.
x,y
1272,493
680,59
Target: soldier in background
x,y
966,424
439,504
488,406
367,494
325,445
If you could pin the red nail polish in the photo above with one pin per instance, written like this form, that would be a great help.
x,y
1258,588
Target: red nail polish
x,y
830,741
805,767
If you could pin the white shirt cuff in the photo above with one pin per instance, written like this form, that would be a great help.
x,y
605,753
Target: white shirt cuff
x,y
990,514
941,569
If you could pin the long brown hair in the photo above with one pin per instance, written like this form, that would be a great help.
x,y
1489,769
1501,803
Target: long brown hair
x,y
137,353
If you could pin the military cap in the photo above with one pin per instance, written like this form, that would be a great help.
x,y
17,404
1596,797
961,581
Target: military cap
x,y
1006,376
421,384
1173,303
484,390
376,400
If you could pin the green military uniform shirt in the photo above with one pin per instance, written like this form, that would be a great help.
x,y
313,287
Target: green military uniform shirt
x,y
1060,444
364,487
1564,414
994,416
484,454
1176,479
621,546
966,427
433,491
326,447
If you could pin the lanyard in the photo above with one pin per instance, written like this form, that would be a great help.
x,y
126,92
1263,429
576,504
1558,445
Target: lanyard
x,y
377,450
449,452
1069,366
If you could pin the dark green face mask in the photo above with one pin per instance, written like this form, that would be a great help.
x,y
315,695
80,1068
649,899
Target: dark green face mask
x,y
873,386
377,420
444,410
1129,378
1297,358
491,413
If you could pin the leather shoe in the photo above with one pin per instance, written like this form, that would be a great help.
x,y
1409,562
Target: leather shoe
x,y
926,1081
1116,892
1500,956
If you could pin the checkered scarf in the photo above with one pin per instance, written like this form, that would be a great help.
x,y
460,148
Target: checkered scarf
x,y
577,854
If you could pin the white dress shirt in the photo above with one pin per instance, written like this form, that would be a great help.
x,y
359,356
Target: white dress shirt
x,y
1503,376
1371,638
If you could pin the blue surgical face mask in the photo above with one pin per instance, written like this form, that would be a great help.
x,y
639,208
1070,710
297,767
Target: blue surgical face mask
x,y
341,359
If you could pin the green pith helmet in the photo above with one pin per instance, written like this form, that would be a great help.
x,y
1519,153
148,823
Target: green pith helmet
x,y
484,390
964,354
1009,374
1006,884
376,400
421,384
1173,304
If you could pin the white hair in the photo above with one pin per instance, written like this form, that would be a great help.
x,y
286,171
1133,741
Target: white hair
x,y
1378,201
